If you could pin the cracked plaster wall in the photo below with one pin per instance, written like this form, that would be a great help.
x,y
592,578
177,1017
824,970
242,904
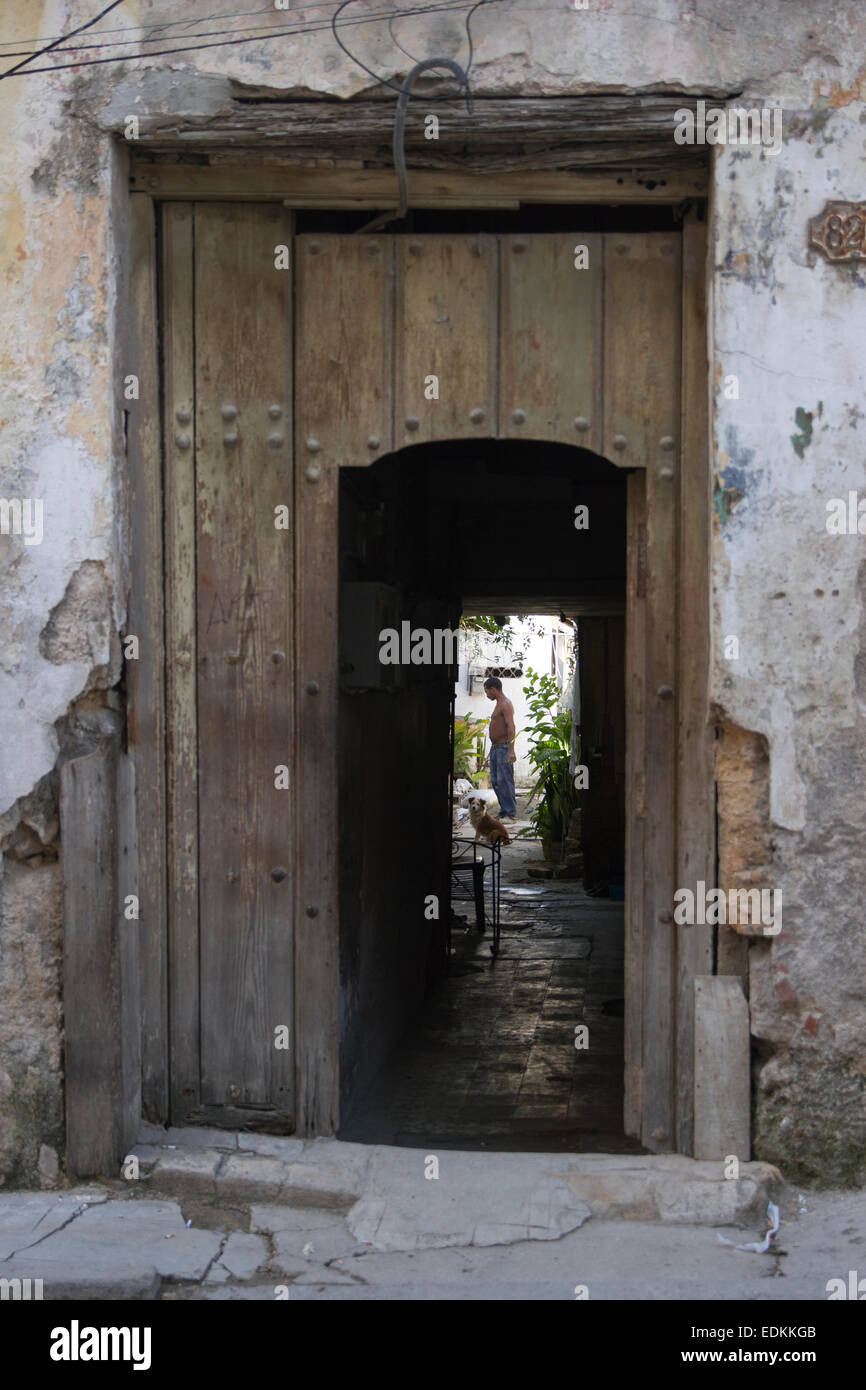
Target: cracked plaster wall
x,y
61,607
789,325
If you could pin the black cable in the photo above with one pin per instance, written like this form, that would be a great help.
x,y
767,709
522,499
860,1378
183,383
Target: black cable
x,y
316,27
400,122
167,24
400,135
80,30
397,42
475,7
384,80
399,45
263,29
405,92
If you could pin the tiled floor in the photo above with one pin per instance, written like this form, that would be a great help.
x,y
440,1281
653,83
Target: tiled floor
x,y
492,1062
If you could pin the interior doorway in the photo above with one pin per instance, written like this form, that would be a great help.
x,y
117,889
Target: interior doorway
x,y
441,1041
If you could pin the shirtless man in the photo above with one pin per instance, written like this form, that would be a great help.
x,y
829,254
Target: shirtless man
x,y
502,755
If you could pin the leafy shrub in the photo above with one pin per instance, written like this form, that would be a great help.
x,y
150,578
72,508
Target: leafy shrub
x,y
550,756
469,747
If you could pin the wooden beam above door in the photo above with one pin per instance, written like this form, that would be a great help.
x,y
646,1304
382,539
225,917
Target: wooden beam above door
x,y
570,127
377,188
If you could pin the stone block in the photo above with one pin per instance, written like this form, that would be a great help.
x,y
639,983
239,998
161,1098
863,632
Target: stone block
x,y
185,1172
250,1178
305,1235
242,1256
191,1137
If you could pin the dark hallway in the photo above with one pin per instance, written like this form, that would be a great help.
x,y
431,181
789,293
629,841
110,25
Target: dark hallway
x,y
440,1043
492,1061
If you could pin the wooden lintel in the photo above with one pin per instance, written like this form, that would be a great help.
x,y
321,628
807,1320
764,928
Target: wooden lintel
x,y
375,188
369,204
506,123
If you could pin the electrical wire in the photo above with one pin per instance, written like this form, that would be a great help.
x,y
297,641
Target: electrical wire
x,y
476,6
168,24
397,42
316,26
395,87
399,144
164,38
415,58
400,135
263,29
80,30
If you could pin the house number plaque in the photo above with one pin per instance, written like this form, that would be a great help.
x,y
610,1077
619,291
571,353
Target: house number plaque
x,y
840,231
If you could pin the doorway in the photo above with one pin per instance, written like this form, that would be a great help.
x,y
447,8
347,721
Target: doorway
x,y
441,1043
275,384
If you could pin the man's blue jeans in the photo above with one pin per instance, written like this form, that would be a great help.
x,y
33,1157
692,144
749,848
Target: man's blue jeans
x,y
502,777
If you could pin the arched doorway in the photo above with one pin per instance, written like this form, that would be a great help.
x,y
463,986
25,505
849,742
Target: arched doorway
x,y
440,1042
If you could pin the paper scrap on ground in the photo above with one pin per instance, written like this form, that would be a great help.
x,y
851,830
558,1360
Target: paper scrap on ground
x,y
757,1247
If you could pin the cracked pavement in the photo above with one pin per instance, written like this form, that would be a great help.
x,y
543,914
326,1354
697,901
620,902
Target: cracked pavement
x,y
292,1219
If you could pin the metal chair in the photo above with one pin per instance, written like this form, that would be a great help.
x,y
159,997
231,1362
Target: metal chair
x,y
469,865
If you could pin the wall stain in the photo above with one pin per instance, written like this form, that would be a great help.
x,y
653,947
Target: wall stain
x,y
724,500
803,420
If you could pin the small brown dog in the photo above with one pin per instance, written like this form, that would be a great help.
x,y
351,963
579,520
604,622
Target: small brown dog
x,y
486,827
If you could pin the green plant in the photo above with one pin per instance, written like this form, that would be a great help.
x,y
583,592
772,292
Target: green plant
x,y
478,629
550,756
469,747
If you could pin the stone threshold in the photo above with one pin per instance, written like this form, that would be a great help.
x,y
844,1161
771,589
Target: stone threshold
x,y
404,1199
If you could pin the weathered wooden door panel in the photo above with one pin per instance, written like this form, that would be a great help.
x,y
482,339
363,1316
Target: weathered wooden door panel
x,y
641,347
230,632
146,712
337,406
344,341
695,803
446,328
659,1001
635,802
180,586
550,359
244,602
642,324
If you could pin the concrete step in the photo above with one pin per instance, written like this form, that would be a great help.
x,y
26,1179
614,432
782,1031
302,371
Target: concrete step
x,y
404,1199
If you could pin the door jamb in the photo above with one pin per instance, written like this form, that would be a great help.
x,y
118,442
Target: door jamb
x,y
146,721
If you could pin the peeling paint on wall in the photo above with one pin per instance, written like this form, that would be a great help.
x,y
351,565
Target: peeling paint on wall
x,y
724,500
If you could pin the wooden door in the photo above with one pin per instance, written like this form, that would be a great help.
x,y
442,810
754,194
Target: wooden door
x,y
229,661
670,826
565,337
523,338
